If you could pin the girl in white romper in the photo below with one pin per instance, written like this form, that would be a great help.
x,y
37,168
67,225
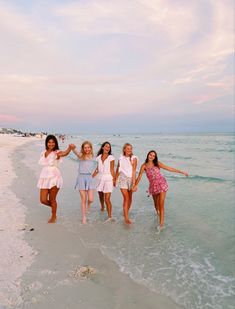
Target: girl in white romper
x,y
106,177
125,175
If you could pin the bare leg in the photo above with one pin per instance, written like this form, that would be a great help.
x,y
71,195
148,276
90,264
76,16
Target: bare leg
x,y
44,195
90,194
162,197
83,205
130,198
52,198
108,204
156,203
126,203
101,197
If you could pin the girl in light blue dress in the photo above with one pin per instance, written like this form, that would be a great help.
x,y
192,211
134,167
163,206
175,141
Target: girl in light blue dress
x,y
85,180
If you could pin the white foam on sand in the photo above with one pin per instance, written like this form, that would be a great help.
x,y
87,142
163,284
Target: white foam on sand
x,y
15,254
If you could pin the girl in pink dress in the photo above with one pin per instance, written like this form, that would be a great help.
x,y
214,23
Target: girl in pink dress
x,y
50,180
157,182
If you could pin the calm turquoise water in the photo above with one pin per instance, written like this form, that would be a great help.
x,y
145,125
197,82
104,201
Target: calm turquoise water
x,y
192,260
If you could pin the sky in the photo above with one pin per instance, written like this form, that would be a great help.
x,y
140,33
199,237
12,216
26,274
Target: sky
x,y
105,66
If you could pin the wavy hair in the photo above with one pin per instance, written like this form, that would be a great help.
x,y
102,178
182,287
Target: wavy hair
x,y
124,147
101,150
155,161
49,137
82,148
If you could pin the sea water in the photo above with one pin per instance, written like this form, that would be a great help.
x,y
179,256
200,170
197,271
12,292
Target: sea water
x,y
192,260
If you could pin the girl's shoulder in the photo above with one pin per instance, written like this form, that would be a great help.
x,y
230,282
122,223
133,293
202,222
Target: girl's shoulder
x,y
43,153
55,152
151,166
134,158
98,158
121,157
111,158
91,159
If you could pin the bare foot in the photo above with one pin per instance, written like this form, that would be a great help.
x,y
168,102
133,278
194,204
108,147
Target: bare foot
x,y
109,220
128,221
52,220
159,229
102,208
84,221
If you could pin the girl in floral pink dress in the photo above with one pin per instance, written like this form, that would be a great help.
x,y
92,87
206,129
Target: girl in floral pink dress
x,y
157,182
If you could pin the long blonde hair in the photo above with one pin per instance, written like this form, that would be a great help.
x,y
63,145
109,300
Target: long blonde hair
x,y
124,147
82,149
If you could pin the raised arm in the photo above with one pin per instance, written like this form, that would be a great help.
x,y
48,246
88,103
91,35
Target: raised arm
x,y
63,153
77,153
171,169
142,169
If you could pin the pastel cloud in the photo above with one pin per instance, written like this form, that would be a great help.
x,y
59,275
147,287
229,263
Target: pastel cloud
x,y
9,118
109,58
18,24
142,17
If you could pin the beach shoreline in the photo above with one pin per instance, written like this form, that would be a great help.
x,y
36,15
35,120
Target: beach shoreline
x,y
16,254
53,281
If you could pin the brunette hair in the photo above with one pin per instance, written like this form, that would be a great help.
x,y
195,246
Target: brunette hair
x,y
155,161
101,150
49,137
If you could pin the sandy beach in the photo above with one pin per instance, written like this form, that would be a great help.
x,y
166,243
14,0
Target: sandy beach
x,y
16,254
41,263
149,86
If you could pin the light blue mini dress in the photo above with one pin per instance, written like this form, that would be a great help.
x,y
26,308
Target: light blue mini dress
x,y
85,181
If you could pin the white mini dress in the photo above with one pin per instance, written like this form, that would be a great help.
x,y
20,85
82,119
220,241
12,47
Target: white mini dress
x,y
50,175
105,178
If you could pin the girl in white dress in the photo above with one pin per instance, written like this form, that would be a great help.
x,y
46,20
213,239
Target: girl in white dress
x,y
50,180
125,175
106,177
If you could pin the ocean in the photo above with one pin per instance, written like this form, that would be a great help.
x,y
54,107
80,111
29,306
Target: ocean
x,y
192,260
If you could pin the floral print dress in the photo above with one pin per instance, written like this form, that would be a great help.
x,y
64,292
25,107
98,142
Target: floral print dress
x,y
157,182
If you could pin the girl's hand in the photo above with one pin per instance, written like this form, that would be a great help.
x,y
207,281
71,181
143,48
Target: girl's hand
x,y
185,174
134,189
72,146
95,173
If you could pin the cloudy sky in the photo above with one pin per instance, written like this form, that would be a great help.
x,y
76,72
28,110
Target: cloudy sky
x,y
117,65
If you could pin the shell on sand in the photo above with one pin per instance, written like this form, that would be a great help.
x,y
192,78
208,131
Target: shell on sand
x,y
83,271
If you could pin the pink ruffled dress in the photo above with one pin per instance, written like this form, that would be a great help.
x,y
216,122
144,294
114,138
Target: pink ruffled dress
x,y
50,175
157,182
